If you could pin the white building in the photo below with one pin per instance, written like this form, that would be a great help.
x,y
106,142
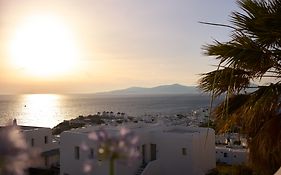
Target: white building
x,y
231,155
166,150
41,139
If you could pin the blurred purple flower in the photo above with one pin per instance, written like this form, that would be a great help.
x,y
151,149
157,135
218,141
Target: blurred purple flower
x,y
87,167
116,146
120,145
15,157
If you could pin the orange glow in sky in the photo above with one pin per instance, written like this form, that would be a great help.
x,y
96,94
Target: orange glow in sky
x,y
72,46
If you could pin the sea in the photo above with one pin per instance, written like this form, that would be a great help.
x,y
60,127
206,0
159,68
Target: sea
x,y
48,110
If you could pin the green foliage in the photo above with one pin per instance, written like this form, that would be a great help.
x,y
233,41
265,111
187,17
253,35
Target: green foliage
x,y
209,124
64,126
237,142
78,122
253,53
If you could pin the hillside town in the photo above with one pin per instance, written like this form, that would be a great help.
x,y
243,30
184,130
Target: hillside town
x,y
165,145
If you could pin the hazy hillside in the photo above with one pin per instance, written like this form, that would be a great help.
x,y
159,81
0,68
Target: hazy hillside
x,y
164,89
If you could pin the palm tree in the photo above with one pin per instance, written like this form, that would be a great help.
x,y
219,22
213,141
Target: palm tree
x,y
252,55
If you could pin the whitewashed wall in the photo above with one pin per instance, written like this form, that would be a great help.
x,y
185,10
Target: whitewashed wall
x,y
231,156
198,142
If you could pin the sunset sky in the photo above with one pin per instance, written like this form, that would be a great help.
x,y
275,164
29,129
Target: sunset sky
x,y
83,46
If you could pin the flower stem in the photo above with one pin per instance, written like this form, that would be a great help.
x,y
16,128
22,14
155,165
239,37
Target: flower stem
x,y
111,166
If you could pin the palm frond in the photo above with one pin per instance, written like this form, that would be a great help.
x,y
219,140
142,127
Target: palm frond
x,y
261,21
226,113
252,53
249,111
265,147
224,80
244,53
262,103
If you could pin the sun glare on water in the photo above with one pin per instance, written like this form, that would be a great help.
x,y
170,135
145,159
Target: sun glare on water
x,y
43,46
41,109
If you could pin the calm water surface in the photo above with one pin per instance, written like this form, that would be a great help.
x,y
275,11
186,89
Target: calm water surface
x,y
50,109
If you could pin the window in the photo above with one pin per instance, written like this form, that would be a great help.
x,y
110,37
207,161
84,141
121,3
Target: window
x,y
32,142
183,150
76,152
91,156
224,154
46,160
46,139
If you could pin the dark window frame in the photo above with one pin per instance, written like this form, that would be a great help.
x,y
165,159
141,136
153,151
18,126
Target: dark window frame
x,y
46,140
184,151
32,142
77,152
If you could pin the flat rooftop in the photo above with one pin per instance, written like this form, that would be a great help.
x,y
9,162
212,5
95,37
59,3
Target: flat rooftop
x,y
182,131
30,127
26,128
233,149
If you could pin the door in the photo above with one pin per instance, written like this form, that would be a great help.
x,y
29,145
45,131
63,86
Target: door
x,y
152,152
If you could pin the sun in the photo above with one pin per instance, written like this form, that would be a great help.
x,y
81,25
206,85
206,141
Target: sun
x,y
43,46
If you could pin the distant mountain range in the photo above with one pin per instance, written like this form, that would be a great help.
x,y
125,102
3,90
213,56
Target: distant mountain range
x,y
164,89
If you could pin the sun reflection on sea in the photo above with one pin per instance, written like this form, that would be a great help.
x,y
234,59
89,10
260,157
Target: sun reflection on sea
x,y
41,109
